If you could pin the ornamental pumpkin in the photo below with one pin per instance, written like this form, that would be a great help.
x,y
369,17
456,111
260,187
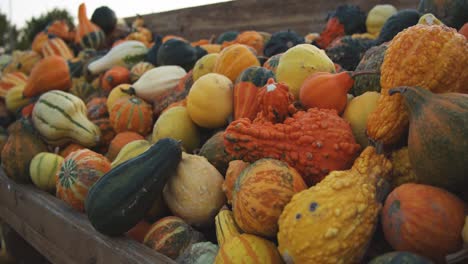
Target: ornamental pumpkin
x,y
252,39
43,168
170,236
272,62
314,142
233,60
404,230
56,46
88,34
377,17
20,148
246,89
15,100
96,108
139,69
437,120
260,194
23,61
39,41
121,91
299,62
411,67
113,77
10,80
78,172
204,65
213,150
274,101
42,79
233,172
176,123
194,192
333,221
60,117
209,102
119,141
131,114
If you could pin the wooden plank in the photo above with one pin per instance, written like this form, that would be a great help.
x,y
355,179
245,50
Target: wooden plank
x,y
62,234
262,15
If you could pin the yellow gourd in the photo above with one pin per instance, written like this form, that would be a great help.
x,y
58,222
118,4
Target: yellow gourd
x,y
204,65
43,168
226,227
356,113
122,90
377,17
429,19
176,123
299,62
14,98
130,150
210,100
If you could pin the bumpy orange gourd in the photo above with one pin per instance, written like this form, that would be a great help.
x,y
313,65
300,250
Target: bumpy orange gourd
x,y
233,60
260,194
43,79
314,142
432,57
275,101
333,221
131,114
252,39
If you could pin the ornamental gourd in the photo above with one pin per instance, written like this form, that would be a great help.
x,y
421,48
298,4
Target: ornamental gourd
x,y
451,12
252,39
131,114
214,151
139,69
78,172
97,108
10,80
22,61
84,89
60,117
43,168
56,46
204,65
115,76
88,34
404,230
121,91
260,194
333,221
194,192
377,17
371,61
42,79
233,172
119,141
15,100
131,150
437,120
233,60
275,101
438,45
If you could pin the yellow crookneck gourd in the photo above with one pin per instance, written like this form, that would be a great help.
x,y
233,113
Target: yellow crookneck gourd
x,y
333,221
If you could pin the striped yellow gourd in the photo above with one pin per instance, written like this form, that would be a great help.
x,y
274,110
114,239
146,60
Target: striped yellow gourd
x,y
43,168
130,151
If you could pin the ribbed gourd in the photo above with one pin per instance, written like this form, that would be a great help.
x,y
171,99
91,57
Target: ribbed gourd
x,y
333,221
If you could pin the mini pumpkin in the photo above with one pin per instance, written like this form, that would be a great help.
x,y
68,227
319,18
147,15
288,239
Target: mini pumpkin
x,y
234,60
131,114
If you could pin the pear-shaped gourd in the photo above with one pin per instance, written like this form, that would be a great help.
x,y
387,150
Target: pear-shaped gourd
x,y
60,117
157,81
438,137
125,54
88,34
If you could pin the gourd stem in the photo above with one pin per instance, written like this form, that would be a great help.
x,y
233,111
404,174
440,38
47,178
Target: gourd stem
x,y
129,91
354,74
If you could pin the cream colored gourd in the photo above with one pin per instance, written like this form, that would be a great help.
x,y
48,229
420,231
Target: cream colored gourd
x,y
125,54
43,168
60,117
204,65
176,123
14,98
157,81
194,192
377,17
130,151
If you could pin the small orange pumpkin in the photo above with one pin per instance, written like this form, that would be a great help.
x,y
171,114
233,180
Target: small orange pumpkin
x,y
119,141
43,79
252,39
70,148
132,114
79,171
115,76
233,60
56,46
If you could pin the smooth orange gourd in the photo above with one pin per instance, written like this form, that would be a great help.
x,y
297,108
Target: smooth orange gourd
x,y
43,79
327,90
88,34
115,76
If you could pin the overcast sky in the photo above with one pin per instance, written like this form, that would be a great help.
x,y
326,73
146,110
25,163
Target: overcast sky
x,y
23,10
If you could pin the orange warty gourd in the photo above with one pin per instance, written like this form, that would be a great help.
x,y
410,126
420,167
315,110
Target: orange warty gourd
x,y
275,101
43,79
432,57
233,60
131,114
79,171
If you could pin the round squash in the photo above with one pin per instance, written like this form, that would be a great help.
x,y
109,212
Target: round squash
x,y
408,223
209,102
204,65
356,113
130,151
79,171
233,172
250,249
118,92
233,60
213,150
43,168
176,123
131,114
299,62
377,17
119,141
194,192
399,257
260,194
170,236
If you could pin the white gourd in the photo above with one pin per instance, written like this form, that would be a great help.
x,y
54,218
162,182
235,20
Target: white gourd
x,y
125,54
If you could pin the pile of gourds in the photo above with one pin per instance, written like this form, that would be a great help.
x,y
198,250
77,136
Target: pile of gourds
x,y
253,148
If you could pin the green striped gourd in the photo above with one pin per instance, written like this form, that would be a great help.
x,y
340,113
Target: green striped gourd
x,y
131,150
43,168
60,117
125,54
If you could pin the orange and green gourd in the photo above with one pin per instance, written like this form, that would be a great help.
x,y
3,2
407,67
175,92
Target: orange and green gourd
x,y
233,60
56,46
88,34
131,114
79,171
10,80
333,221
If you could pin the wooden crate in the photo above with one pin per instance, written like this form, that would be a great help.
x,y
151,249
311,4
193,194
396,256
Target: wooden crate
x,y
62,234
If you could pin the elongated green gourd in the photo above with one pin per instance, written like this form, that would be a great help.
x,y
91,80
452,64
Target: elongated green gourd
x,y
125,54
121,198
